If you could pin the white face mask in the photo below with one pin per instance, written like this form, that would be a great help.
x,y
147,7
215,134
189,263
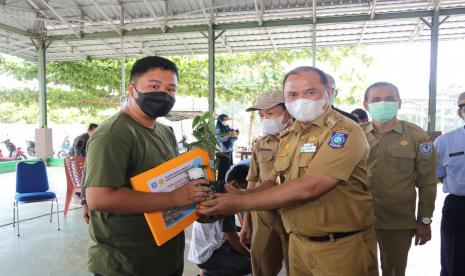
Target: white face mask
x,y
304,110
273,126
224,123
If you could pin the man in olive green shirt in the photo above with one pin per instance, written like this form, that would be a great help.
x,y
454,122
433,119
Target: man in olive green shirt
x,y
402,159
126,144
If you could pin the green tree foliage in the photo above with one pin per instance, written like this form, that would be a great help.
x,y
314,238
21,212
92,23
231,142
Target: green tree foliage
x,y
91,86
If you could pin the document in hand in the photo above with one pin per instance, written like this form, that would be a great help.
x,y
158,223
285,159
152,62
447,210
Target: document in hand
x,y
168,177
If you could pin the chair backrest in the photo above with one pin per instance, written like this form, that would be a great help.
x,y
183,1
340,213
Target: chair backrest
x,y
74,165
31,176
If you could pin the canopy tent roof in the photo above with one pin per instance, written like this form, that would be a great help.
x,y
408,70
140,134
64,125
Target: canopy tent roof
x,y
80,29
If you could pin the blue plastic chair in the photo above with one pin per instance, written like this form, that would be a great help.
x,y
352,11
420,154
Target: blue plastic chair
x,y
32,186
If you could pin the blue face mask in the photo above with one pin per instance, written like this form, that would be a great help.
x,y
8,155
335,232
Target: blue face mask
x,y
383,111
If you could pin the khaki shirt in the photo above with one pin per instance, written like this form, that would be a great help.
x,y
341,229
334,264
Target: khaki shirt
x,y
263,157
400,160
332,146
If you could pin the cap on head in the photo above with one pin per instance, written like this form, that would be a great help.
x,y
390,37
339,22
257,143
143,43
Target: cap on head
x,y
461,100
268,100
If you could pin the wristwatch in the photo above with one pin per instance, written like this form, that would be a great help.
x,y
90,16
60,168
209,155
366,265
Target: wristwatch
x,y
426,220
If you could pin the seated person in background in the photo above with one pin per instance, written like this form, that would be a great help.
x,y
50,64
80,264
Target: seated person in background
x,y
215,247
361,115
80,142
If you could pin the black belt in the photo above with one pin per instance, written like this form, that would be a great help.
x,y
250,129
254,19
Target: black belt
x,y
332,236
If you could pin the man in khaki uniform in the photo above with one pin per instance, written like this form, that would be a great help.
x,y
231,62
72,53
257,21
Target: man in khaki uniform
x,y
401,159
321,165
269,240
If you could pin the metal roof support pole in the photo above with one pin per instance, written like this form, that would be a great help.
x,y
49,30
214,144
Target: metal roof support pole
x,y
314,46
211,69
123,59
433,70
314,33
41,64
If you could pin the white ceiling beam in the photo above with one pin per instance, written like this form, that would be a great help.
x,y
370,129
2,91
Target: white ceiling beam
x,y
108,19
154,14
259,8
435,4
371,12
271,39
61,18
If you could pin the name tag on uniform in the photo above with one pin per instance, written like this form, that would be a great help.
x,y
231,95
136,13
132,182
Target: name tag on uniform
x,y
456,153
283,154
263,149
311,147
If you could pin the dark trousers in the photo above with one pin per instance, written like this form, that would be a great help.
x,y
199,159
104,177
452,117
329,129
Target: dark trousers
x,y
177,273
453,236
225,261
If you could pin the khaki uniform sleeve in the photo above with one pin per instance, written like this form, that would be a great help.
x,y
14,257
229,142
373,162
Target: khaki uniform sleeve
x,y
338,159
426,161
254,172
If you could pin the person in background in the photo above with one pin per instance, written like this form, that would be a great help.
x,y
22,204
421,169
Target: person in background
x,y
215,247
264,230
361,115
226,137
332,94
451,172
402,160
80,142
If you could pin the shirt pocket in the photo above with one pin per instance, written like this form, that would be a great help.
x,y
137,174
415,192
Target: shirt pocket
x,y
264,156
282,164
305,159
455,163
403,159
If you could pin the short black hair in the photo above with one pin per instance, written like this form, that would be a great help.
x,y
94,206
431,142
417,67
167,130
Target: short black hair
x,y
146,64
298,70
361,114
92,126
381,84
239,174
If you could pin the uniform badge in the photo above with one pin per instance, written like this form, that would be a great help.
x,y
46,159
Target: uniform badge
x,y
311,147
283,154
403,142
426,148
337,140
312,140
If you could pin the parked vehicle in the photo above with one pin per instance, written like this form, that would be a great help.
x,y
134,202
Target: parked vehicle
x,y
15,153
65,148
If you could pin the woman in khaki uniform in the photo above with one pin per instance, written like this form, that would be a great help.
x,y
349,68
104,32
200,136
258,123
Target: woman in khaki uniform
x,y
264,229
321,165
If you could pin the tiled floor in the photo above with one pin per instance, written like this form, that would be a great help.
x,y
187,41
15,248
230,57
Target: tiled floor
x,y
42,250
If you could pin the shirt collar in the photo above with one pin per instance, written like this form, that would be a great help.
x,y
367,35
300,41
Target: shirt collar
x,y
397,127
320,122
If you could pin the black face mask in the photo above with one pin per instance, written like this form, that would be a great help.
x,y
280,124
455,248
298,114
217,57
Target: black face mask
x,y
155,104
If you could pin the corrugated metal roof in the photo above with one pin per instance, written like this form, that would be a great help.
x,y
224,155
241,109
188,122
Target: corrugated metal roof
x,y
79,29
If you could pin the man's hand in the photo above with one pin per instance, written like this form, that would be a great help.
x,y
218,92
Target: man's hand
x,y
191,193
422,233
85,212
222,204
233,190
246,232
207,219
